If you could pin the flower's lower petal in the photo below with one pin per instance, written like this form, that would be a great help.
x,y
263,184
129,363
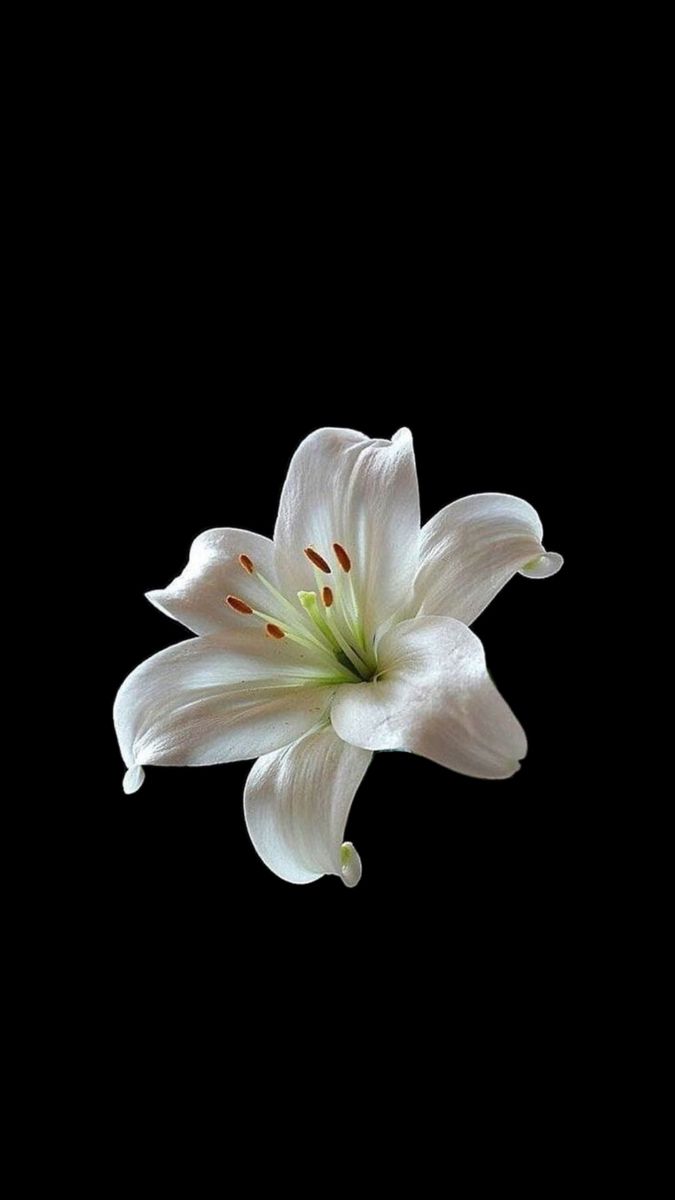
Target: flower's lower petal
x,y
217,699
296,803
434,698
197,596
362,493
470,549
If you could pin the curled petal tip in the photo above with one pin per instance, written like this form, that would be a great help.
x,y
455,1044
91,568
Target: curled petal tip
x,y
402,434
350,864
133,779
542,566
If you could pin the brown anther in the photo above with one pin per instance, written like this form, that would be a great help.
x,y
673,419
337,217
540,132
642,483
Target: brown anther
x,y
327,596
342,556
246,563
239,606
317,560
274,631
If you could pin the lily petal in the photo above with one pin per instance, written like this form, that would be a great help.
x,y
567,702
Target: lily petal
x,y
197,596
220,698
296,805
435,698
361,493
470,549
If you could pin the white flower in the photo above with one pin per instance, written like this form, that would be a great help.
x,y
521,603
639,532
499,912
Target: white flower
x,y
346,634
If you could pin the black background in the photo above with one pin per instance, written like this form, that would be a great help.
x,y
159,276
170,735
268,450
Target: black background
x,y
225,326
224,317
226,270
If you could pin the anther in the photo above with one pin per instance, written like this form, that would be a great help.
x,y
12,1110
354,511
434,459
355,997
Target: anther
x,y
246,563
317,560
342,556
327,596
274,631
239,606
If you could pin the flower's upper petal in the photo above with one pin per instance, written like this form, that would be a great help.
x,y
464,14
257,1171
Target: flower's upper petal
x,y
219,698
362,493
434,698
470,549
296,803
197,596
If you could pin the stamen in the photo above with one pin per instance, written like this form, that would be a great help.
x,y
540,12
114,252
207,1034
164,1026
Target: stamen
x,y
246,563
322,645
239,606
354,657
318,561
327,596
342,557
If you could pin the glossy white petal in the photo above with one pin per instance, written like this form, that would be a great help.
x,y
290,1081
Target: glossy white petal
x,y
435,698
362,493
216,699
197,596
470,549
297,802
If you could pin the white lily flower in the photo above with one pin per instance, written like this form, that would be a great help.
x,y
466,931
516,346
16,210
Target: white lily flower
x,y
348,633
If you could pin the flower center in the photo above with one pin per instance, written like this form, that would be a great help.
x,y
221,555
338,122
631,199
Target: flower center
x,y
327,622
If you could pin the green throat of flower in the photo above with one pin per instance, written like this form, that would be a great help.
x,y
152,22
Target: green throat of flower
x,y
327,623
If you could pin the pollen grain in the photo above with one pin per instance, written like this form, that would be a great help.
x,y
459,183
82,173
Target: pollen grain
x,y
239,606
342,557
315,558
